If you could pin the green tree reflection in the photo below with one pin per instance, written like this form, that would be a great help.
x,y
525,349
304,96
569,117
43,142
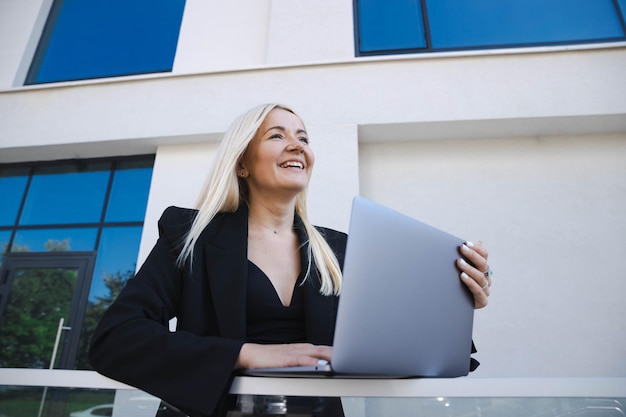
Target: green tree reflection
x,y
95,309
39,298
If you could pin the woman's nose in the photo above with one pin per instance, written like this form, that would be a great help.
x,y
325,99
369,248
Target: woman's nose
x,y
295,145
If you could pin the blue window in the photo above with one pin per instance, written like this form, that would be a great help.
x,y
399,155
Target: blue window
x,y
67,206
5,235
95,206
117,256
12,186
76,206
397,26
106,38
54,240
129,191
66,193
390,25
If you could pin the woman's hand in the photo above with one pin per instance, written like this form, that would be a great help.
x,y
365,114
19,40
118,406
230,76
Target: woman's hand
x,y
254,355
475,272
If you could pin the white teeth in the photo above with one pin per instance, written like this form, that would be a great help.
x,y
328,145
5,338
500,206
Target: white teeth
x,y
294,164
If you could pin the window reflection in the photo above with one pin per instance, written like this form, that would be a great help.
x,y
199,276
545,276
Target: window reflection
x,y
99,38
456,23
18,401
39,297
117,257
386,25
485,407
12,186
4,243
129,193
66,194
63,207
55,240
400,26
115,265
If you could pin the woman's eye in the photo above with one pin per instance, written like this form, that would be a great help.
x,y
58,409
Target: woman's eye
x,y
276,136
304,139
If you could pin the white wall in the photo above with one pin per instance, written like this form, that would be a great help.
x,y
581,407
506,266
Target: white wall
x,y
302,31
222,35
557,90
240,34
21,24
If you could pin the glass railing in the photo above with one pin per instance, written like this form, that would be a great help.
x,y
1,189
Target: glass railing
x,y
60,393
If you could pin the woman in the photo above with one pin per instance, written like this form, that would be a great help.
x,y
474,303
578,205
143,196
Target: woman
x,y
252,283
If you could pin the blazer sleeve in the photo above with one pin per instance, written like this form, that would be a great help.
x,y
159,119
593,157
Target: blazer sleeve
x,y
132,342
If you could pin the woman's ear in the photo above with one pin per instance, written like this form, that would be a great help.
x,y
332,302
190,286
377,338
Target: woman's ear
x,y
242,172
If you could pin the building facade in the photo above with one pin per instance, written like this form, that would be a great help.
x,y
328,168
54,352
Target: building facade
x,y
503,124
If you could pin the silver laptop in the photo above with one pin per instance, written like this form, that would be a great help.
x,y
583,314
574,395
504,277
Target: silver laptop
x,y
403,311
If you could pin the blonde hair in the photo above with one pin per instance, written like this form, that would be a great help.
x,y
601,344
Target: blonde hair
x,y
223,191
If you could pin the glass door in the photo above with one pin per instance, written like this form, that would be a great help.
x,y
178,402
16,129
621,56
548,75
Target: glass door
x,y
43,297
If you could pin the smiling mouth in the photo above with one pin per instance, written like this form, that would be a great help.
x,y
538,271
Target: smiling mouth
x,y
292,164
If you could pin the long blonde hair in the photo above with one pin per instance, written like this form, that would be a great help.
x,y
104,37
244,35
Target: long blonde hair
x,y
223,191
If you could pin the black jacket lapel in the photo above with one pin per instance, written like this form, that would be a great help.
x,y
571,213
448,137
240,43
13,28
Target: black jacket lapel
x,y
225,266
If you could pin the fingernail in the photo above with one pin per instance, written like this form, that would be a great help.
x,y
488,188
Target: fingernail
x,y
464,275
465,248
462,262
470,244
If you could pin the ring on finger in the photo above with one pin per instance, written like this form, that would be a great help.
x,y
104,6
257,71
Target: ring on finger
x,y
488,273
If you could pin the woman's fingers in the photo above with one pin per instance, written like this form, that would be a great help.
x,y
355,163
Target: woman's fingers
x,y
475,272
254,355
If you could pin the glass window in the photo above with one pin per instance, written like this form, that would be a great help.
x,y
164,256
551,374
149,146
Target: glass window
x,y
399,26
117,258
388,25
459,23
55,240
63,212
129,193
12,186
39,297
116,262
5,235
106,38
64,194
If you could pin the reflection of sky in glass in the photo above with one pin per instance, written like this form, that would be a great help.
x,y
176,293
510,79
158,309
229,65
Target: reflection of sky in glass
x,y
103,38
74,193
457,23
80,239
129,195
117,252
387,25
63,198
11,193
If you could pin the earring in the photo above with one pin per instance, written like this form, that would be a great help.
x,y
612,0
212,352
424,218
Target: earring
x,y
242,174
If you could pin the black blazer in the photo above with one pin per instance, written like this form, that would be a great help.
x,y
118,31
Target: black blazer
x,y
192,367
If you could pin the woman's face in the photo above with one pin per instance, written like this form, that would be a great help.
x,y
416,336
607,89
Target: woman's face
x,y
278,160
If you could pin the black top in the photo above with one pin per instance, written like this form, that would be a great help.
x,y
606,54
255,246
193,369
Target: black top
x,y
267,319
